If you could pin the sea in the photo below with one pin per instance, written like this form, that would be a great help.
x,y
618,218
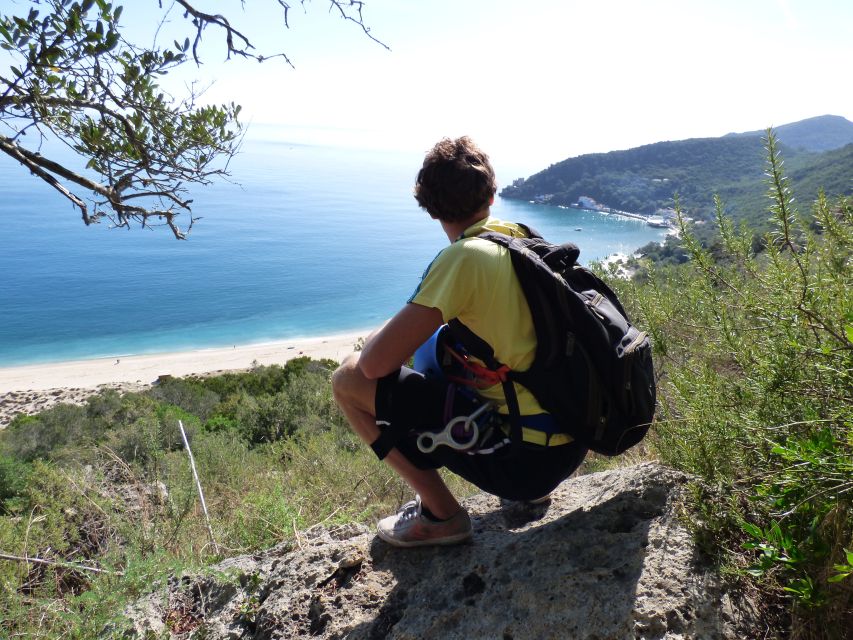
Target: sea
x,y
303,240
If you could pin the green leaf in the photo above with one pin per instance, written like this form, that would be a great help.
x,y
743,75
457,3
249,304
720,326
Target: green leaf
x,y
848,330
753,530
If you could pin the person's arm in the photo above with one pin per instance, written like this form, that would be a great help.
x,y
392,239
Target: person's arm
x,y
394,343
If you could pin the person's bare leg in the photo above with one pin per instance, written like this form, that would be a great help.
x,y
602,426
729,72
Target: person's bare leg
x,y
355,394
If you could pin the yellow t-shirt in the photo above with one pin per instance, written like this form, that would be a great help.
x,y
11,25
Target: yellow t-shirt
x,y
474,280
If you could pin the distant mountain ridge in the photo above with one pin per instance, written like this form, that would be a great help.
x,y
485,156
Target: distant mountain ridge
x,y
645,179
821,133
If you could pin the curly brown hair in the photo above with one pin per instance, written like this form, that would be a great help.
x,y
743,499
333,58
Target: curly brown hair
x,y
456,180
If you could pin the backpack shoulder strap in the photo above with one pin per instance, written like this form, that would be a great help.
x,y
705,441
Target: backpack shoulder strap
x,y
558,258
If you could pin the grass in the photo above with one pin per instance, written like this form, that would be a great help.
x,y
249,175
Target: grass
x,y
108,485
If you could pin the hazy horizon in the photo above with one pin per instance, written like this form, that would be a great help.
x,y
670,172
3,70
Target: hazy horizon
x,y
544,81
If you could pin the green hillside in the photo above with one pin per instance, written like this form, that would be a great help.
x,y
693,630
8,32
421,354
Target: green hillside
x,y
808,173
646,178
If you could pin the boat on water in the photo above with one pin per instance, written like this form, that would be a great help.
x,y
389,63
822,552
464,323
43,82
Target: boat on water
x,y
657,222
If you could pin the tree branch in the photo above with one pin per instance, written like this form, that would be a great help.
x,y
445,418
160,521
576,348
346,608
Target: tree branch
x,y
31,158
359,21
54,563
78,79
22,156
103,109
201,20
41,166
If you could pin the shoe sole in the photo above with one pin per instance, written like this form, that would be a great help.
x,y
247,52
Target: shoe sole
x,y
448,540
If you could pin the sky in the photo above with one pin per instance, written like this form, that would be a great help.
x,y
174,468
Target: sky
x,y
532,82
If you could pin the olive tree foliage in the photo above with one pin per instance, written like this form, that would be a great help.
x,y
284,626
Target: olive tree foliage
x,y
74,76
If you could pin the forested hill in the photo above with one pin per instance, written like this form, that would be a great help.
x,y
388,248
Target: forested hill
x,y
645,179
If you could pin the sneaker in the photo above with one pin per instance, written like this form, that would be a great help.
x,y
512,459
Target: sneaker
x,y
411,528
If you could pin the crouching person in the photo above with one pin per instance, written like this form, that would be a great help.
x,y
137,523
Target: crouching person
x,y
417,421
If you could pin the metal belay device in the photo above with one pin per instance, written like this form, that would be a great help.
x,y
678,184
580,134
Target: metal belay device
x,y
435,359
461,433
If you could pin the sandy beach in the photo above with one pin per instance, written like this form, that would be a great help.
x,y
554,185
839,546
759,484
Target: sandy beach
x,y
33,388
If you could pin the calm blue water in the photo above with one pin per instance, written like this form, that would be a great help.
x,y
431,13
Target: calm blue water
x,y
312,241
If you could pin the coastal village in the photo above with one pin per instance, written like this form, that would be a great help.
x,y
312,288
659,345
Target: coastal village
x,y
661,219
619,264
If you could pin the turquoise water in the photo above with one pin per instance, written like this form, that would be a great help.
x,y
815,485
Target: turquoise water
x,y
310,241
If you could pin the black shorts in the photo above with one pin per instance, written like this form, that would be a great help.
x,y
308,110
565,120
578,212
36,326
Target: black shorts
x,y
408,400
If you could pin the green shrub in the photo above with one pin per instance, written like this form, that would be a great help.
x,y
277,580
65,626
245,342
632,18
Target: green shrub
x,y
139,443
58,517
220,423
264,380
170,434
36,437
303,402
188,394
14,477
755,357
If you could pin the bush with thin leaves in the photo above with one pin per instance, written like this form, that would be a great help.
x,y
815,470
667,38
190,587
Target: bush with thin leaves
x,y
755,356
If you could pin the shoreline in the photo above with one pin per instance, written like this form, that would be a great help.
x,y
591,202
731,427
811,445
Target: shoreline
x,y
33,388
146,368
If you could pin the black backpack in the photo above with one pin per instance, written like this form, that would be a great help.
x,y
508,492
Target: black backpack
x,y
593,369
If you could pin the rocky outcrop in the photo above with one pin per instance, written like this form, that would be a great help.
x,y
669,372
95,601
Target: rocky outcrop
x,y
607,558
